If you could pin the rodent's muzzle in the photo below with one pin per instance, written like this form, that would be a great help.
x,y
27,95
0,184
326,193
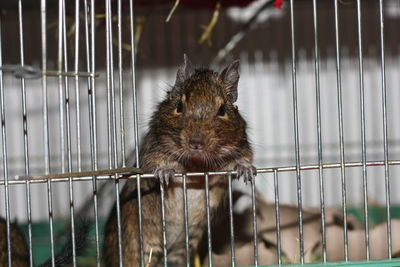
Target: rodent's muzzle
x,y
196,144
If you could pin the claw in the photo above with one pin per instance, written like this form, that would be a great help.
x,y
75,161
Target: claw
x,y
164,175
248,172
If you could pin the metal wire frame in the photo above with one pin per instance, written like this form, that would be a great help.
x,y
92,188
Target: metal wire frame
x,y
310,167
275,171
113,156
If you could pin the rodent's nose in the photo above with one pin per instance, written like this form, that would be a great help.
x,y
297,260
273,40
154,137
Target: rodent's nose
x,y
196,144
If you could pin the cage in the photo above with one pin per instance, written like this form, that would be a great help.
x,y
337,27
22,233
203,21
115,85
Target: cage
x,y
318,88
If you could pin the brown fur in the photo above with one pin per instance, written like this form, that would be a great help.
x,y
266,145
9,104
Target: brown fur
x,y
166,147
19,248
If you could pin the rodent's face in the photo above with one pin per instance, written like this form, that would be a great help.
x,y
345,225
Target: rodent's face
x,y
204,126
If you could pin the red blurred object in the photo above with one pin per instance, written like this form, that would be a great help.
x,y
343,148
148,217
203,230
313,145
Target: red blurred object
x,y
196,4
278,3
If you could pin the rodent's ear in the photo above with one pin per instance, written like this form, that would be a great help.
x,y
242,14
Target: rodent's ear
x,y
230,78
185,70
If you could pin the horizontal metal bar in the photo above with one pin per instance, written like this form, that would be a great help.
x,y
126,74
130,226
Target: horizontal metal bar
x,y
30,72
124,171
259,171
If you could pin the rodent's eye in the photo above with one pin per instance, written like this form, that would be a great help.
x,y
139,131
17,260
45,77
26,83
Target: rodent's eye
x,y
221,111
179,107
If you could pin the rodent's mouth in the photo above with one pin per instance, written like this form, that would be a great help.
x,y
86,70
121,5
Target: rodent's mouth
x,y
196,151
196,154
199,158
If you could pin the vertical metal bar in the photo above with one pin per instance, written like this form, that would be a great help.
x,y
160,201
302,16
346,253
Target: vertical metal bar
x,y
77,89
25,131
277,217
60,83
91,67
136,127
29,215
24,111
209,238
119,233
319,131
121,87
50,210
341,135
109,66
164,225
71,204
232,232
112,95
66,90
90,61
385,129
363,137
134,91
113,158
254,213
46,125
44,87
186,219
29,218
68,132
5,157
139,197
296,135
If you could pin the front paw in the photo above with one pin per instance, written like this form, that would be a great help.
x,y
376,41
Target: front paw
x,y
246,170
164,175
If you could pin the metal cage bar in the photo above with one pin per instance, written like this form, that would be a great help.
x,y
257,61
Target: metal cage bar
x,y
46,125
77,87
231,224
385,129
319,129
26,146
341,131
111,114
4,150
254,215
209,236
186,220
164,225
277,218
64,59
136,126
121,85
90,67
190,174
363,131
116,136
296,133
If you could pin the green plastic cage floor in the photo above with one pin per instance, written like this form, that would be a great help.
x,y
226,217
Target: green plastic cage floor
x,y
41,244
372,263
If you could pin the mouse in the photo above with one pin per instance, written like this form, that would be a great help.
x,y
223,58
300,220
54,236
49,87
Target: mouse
x,y
196,128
